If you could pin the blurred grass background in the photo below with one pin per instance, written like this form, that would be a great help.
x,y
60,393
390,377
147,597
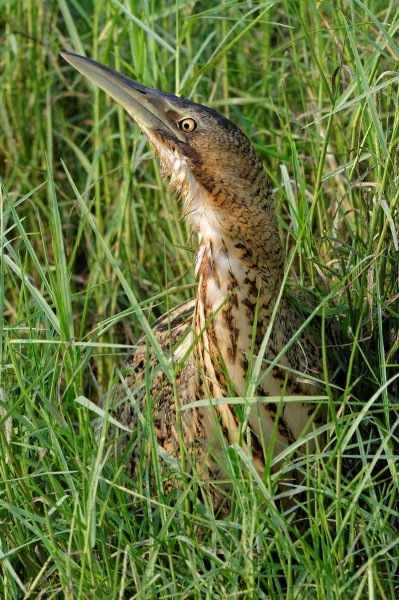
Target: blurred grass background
x,y
314,85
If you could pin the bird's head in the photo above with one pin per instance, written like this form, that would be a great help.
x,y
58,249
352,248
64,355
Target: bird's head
x,y
210,161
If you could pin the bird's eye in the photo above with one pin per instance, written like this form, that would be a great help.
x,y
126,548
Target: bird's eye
x,y
188,124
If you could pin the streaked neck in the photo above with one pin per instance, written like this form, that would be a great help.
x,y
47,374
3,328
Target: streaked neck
x,y
233,294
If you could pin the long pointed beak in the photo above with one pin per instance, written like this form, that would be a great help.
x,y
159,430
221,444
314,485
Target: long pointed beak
x,y
145,105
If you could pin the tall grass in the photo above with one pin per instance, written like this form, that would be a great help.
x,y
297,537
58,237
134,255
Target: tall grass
x,y
93,247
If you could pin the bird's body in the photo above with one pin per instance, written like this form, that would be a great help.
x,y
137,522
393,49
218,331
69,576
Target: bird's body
x,y
213,340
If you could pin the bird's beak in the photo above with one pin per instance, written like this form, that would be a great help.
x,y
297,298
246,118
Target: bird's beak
x,y
145,105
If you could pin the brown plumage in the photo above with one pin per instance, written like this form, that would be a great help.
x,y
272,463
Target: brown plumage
x,y
228,200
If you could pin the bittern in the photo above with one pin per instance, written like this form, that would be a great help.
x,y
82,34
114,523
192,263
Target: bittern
x,y
228,201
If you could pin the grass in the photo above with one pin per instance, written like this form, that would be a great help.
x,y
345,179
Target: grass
x,y
93,248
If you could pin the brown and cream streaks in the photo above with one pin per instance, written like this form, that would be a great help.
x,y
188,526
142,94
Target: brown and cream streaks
x,y
228,201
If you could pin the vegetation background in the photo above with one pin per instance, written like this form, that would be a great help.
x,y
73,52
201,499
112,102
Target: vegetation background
x,y
89,232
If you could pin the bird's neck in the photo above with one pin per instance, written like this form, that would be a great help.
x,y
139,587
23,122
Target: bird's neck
x,y
236,295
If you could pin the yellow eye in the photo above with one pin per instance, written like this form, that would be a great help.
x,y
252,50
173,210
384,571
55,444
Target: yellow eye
x,y
188,124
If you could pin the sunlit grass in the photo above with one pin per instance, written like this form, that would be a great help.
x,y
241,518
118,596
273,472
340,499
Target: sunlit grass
x,y
93,249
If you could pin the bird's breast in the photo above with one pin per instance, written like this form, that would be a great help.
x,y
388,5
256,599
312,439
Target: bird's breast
x,y
231,316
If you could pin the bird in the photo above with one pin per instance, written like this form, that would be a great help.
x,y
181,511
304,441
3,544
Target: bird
x,y
213,340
